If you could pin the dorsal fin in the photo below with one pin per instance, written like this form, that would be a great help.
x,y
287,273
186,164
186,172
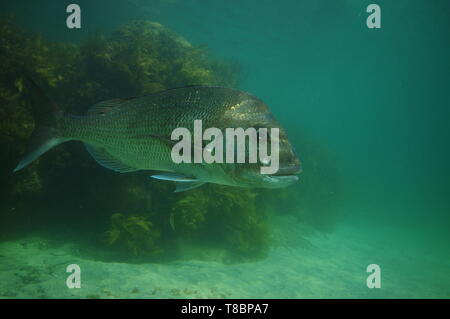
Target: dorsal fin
x,y
108,161
105,106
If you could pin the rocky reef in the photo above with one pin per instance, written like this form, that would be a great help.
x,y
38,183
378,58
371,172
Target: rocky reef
x,y
67,192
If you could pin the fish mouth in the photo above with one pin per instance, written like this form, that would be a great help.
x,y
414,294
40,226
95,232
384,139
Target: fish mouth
x,y
285,176
277,181
288,170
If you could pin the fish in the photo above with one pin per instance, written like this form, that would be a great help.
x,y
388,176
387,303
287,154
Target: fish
x,y
135,134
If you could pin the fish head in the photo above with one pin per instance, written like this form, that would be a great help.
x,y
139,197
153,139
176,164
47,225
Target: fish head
x,y
284,171
285,174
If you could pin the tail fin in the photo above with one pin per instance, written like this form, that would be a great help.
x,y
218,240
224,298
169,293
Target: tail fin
x,y
46,117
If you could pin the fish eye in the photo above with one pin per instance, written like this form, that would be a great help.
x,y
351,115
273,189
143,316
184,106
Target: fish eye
x,y
259,129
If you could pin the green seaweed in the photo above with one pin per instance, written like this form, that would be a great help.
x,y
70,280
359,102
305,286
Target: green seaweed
x,y
188,213
225,215
135,233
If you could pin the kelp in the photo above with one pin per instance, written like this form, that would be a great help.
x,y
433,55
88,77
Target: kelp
x,y
135,233
224,216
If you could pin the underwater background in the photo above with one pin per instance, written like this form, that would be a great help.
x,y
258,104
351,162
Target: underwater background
x,y
367,110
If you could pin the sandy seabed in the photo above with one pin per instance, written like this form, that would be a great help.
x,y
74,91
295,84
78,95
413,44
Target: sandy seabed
x,y
330,266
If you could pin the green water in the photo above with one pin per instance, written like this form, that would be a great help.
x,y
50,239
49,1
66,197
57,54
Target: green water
x,y
373,101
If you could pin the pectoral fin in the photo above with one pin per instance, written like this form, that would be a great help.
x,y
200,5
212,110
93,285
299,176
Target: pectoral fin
x,y
182,182
174,177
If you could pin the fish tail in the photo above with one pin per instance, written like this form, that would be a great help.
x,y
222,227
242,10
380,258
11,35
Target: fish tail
x,y
47,116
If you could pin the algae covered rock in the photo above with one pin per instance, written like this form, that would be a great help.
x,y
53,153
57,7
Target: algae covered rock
x,y
66,184
140,57
144,57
